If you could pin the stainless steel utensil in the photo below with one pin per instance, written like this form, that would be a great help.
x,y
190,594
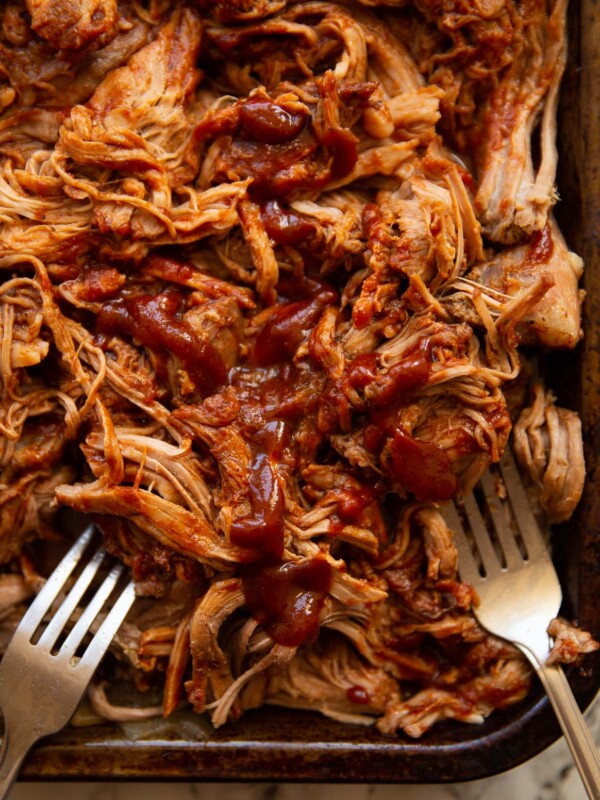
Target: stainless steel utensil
x,y
42,681
502,554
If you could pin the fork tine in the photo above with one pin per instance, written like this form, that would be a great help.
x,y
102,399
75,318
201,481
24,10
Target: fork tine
x,y
69,604
521,507
105,633
47,595
501,521
91,611
467,566
489,557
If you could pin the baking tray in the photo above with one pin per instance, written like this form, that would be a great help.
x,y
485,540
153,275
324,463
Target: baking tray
x,y
275,744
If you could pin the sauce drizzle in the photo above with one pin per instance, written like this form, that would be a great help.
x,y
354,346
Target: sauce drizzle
x,y
152,321
287,598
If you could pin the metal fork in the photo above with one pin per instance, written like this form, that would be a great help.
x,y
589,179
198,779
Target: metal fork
x,y
511,570
40,689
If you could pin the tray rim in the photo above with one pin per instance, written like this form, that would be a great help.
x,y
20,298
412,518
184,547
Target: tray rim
x,y
243,757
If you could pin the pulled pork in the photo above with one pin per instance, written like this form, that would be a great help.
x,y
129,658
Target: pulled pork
x,y
549,447
257,322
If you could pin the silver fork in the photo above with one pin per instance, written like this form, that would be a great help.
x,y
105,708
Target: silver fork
x,y
40,690
514,577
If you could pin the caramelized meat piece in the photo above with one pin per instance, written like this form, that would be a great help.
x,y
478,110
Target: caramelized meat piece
x,y
74,24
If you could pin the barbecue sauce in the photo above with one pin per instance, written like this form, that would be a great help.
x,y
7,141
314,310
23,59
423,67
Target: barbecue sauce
x,y
352,502
419,467
284,331
276,169
278,145
342,144
290,323
152,320
422,468
262,529
287,598
358,695
540,248
284,226
397,383
270,123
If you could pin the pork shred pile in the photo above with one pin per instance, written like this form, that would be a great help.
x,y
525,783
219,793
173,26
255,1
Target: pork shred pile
x,y
265,270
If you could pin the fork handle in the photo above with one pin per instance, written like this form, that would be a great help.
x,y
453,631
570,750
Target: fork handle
x,y
15,745
577,735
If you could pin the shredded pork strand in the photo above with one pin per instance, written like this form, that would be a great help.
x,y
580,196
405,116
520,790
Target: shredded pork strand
x,y
265,269
549,448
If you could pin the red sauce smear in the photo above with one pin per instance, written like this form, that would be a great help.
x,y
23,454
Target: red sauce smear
x,y
419,467
283,226
287,598
467,179
284,331
152,321
362,370
354,507
358,695
541,248
352,502
269,123
277,169
288,326
262,529
342,144
282,396
304,288
422,467
278,147
402,380
393,386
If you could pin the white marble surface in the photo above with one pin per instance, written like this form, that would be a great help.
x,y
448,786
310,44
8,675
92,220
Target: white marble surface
x,y
549,776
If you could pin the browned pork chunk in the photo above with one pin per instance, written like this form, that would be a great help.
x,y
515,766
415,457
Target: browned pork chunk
x,y
73,24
